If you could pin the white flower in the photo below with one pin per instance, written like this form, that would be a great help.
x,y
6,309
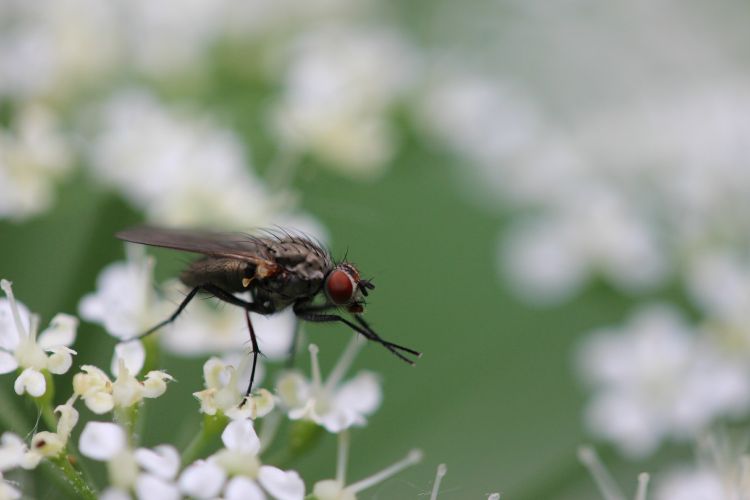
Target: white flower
x,y
20,347
337,96
41,56
125,315
238,460
102,394
149,472
33,157
550,257
333,405
225,388
656,378
181,169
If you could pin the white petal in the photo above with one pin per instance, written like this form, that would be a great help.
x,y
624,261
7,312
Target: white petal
x,y
102,440
100,402
215,373
114,494
243,488
30,381
156,383
60,332
163,460
132,353
150,487
281,485
202,479
9,492
67,420
8,363
12,451
361,394
8,332
293,389
239,435
61,360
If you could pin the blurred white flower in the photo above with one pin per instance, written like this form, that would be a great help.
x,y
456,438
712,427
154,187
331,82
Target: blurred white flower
x,y
487,120
656,377
150,472
163,38
20,347
34,156
126,315
604,480
337,97
331,403
102,440
226,383
14,453
238,460
210,328
722,472
550,257
719,283
56,47
180,168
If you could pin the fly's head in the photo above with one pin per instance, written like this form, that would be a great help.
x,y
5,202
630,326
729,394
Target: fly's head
x,y
344,287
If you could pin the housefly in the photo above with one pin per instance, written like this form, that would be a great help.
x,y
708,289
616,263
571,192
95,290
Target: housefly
x,y
278,268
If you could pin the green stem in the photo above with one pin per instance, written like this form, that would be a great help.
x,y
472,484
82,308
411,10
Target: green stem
x,y
74,478
211,428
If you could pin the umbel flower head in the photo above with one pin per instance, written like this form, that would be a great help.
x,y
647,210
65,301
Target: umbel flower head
x,y
21,348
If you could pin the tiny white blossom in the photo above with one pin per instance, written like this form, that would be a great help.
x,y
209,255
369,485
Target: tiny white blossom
x,y
332,404
20,347
225,388
101,394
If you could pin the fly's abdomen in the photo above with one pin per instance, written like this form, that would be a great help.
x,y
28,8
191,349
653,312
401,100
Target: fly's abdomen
x,y
228,274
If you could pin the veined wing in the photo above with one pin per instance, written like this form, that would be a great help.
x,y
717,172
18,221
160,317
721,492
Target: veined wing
x,y
212,243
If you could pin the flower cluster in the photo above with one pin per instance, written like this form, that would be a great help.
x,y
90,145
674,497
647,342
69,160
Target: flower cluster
x,y
237,470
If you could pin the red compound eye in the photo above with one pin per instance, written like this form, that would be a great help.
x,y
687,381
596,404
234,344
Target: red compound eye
x,y
340,287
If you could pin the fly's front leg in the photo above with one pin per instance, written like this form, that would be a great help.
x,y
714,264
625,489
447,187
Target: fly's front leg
x,y
365,330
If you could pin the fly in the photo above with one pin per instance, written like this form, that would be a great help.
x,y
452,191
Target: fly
x,y
279,269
